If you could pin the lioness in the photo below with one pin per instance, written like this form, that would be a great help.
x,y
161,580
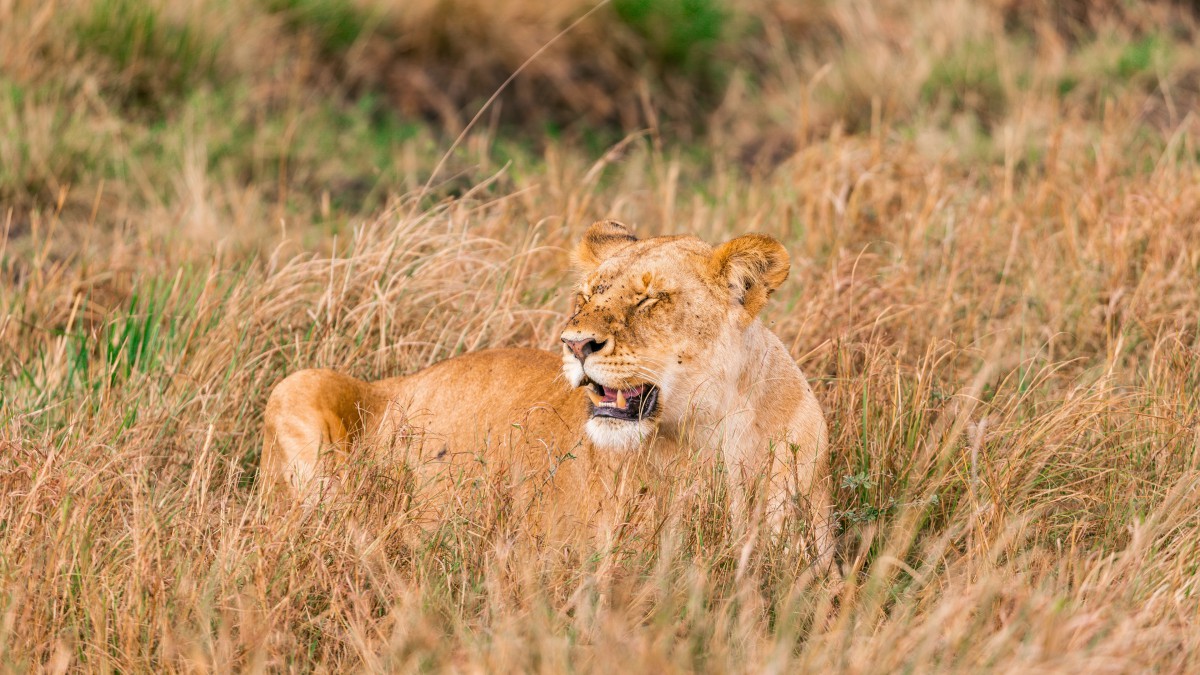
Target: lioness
x,y
663,362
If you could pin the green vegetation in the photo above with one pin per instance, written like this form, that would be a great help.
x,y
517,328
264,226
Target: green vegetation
x,y
1140,57
152,60
968,80
336,24
678,31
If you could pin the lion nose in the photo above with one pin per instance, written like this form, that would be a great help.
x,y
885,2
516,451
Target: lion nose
x,y
582,348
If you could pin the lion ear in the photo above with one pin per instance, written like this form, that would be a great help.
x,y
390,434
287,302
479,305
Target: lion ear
x,y
601,241
752,267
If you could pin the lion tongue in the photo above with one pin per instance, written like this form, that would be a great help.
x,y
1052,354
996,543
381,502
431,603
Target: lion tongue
x,y
621,396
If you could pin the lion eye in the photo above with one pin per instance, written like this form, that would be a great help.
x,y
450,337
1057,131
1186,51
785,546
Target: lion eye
x,y
647,301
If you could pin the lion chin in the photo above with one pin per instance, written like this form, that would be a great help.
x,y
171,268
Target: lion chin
x,y
619,435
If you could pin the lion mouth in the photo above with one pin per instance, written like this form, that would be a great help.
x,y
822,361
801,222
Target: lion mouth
x,y
632,404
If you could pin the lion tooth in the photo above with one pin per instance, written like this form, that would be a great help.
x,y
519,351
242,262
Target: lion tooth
x,y
592,395
620,399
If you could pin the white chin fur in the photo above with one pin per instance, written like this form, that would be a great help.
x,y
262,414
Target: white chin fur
x,y
618,435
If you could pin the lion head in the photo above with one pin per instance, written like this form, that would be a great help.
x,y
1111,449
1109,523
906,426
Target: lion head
x,y
659,327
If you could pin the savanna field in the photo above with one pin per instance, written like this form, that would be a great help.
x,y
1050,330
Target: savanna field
x,y
993,214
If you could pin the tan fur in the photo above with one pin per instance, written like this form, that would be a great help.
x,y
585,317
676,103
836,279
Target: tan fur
x,y
669,311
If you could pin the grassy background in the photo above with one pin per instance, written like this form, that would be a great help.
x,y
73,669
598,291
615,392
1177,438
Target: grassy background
x,y
992,209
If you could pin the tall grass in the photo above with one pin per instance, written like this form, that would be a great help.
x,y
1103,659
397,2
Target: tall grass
x,y
994,293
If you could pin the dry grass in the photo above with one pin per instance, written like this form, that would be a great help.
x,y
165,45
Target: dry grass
x,y
995,292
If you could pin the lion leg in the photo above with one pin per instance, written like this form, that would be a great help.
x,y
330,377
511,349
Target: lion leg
x,y
812,486
798,475
758,488
309,413
820,510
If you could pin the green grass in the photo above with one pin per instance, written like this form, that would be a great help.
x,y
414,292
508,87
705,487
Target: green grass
x,y
153,59
678,31
968,80
1140,57
336,24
